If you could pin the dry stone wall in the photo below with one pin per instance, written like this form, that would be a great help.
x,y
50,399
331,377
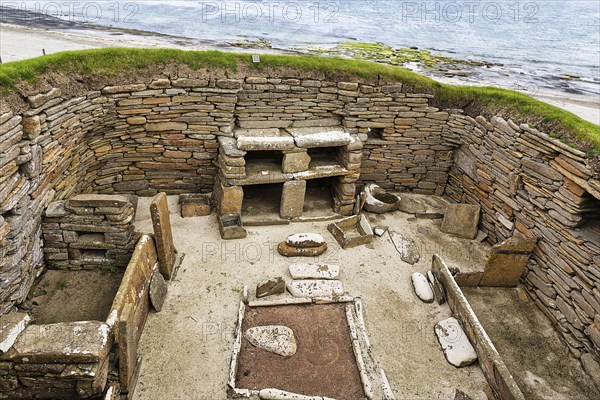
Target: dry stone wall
x,y
161,134
530,184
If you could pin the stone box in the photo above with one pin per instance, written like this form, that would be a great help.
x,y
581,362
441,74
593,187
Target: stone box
x,y
195,205
351,232
70,360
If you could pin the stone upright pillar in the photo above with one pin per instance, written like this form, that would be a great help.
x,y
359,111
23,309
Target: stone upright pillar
x,y
228,198
161,222
292,199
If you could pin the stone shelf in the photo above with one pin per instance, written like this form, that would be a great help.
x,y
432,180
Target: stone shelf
x,y
320,137
321,168
264,171
263,139
288,157
92,241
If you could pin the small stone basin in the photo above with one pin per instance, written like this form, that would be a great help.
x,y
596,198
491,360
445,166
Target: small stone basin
x,y
379,201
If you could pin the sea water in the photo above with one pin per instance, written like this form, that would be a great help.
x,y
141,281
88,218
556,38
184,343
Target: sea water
x,y
550,38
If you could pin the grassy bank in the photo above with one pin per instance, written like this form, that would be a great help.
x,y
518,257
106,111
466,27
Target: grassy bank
x,y
476,100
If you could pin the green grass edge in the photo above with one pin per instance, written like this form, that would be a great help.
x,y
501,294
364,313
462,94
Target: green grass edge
x,y
571,129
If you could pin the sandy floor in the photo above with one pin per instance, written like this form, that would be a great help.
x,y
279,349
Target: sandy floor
x,y
19,42
517,327
186,348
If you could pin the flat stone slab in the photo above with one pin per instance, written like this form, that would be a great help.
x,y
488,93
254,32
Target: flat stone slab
x,y
158,290
288,251
56,209
438,290
315,288
276,394
92,241
380,230
98,200
11,326
295,162
277,339
263,139
422,288
161,222
229,147
408,249
64,342
314,271
423,206
270,287
455,343
305,240
292,199
461,220
320,137
507,262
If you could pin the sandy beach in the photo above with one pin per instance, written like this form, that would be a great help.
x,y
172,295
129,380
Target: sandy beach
x,y
21,42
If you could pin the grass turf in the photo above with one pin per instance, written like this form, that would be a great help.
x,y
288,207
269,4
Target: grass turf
x,y
486,100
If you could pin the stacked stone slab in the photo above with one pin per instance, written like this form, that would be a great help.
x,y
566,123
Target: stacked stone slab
x,y
296,167
21,205
529,184
47,362
414,150
89,231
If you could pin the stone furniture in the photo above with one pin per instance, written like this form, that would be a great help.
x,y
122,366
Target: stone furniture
x,y
195,205
352,231
75,360
231,227
290,157
377,200
89,231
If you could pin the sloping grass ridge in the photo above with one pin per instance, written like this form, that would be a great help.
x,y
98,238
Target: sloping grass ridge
x,y
486,101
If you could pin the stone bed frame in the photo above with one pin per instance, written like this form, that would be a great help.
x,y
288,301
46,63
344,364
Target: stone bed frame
x,y
75,357
142,135
373,377
496,373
